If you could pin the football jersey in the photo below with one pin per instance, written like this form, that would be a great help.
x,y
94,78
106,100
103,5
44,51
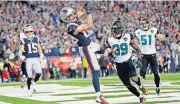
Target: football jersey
x,y
82,37
122,48
30,47
147,40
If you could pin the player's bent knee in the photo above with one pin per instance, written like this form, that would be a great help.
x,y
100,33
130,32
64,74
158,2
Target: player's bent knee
x,y
29,80
156,74
38,74
134,79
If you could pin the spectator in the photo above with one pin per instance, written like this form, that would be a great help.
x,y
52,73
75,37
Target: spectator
x,y
51,67
103,62
73,68
5,75
8,67
1,69
85,66
44,70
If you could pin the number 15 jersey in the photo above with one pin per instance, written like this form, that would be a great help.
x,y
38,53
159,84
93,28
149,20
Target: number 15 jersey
x,y
122,50
31,47
147,40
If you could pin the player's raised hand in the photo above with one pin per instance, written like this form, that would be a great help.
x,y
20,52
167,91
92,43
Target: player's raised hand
x,y
22,58
88,6
41,56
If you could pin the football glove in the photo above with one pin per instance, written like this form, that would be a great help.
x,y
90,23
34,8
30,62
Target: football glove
x,y
88,6
22,57
41,56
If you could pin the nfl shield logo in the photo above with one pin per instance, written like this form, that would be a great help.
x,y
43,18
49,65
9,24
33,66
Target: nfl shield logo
x,y
125,39
152,31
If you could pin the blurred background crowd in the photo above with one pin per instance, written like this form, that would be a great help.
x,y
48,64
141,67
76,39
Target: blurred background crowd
x,y
44,16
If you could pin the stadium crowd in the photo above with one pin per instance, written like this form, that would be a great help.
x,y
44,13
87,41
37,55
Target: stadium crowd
x,y
44,16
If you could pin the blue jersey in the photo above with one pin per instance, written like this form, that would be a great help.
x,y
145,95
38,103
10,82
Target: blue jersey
x,y
31,47
82,37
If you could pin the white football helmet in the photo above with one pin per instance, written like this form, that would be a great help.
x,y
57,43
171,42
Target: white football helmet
x,y
145,24
66,12
29,31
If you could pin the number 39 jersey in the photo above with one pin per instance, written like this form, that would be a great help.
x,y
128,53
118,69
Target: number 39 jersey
x,y
30,45
147,40
122,50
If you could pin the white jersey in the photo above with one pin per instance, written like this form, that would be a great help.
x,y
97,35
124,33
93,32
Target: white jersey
x,y
147,40
122,48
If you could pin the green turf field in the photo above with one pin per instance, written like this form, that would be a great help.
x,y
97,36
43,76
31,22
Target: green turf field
x,y
111,90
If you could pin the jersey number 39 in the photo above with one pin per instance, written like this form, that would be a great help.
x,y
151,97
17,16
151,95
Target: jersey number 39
x,y
32,48
121,49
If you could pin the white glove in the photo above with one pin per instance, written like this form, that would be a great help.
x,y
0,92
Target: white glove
x,y
41,56
22,57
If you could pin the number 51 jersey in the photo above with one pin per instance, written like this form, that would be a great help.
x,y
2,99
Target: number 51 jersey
x,y
30,45
147,40
122,50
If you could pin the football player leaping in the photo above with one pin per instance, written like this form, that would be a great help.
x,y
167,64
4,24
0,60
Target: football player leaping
x,y
119,44
33,52
147,39
78,30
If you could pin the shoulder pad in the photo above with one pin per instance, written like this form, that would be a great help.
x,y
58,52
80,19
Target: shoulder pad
x,y
71,28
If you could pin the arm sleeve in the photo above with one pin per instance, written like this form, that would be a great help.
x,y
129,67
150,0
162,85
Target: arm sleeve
x,y
107,43
101,51
132,36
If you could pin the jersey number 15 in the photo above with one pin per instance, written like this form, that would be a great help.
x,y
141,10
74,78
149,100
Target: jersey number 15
x,y
32,48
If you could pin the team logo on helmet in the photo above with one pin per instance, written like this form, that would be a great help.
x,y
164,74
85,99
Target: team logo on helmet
x,y
125,38
64,11
152,31
117,29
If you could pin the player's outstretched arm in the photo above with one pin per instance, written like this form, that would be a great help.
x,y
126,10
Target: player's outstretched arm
x,y
89,21
21,49
80,12
86,26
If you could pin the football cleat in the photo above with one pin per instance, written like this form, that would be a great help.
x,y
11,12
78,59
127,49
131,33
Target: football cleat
x,y
22,84
23,80
29,93
158,91
34,86
101,100
144,90
142,100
